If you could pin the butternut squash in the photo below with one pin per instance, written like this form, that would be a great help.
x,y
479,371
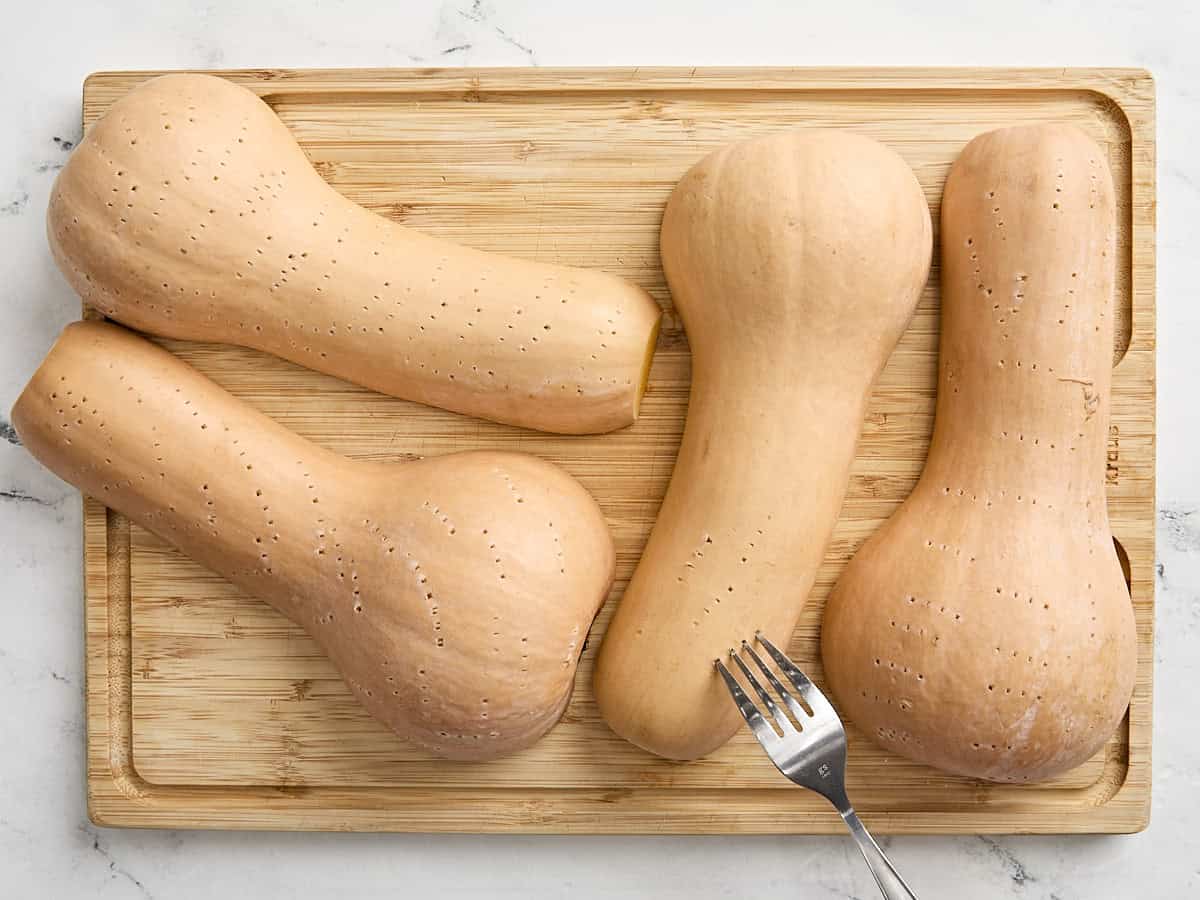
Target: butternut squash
x,y
795,261
189,211
986,627
454,594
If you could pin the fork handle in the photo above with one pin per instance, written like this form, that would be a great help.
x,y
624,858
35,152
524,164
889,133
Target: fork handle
x,y
891,885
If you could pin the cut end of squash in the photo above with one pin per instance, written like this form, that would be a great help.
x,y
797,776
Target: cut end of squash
x,y
647,361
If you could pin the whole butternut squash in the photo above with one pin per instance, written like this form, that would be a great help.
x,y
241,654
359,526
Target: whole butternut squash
x,y
189,211
986,627
454,594
795,262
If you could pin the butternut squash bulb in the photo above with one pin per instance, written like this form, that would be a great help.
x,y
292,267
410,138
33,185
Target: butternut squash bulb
x,y
189,211
986,627
454,594
795,261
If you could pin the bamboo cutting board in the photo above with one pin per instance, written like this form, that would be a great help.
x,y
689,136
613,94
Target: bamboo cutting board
x,y
206,709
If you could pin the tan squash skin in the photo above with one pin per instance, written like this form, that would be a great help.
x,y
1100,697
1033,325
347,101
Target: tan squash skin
x,y
190,211
795,261
986,628
454,594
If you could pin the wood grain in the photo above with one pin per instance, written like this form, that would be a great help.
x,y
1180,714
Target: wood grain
x,y
207,709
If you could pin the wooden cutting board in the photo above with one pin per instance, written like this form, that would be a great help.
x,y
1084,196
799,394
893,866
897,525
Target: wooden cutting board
x,y
207,709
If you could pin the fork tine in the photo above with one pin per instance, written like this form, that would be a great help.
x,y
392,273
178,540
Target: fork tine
x,y
764,732
792,704
776,713
809,692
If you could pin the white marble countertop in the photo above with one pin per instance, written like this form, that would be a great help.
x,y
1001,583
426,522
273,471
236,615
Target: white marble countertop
x,y
47,846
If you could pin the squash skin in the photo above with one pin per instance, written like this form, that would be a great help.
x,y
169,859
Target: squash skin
x,y
454,594
189,211
796,262
986,627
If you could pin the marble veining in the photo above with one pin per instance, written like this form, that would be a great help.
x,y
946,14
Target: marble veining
x,y
47,846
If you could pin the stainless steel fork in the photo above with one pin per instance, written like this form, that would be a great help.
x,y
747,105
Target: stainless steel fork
x,y
809,748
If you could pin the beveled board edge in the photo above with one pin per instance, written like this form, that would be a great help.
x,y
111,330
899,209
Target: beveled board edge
x,y
1119,801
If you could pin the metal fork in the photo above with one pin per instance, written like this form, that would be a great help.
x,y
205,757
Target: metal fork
x,y
811,750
